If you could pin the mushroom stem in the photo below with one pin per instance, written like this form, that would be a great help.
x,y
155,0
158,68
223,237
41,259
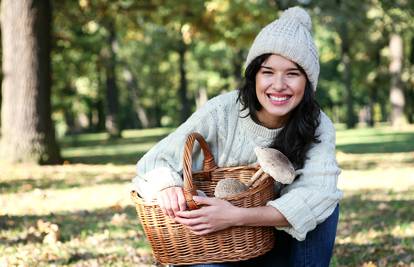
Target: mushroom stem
x,y
255,177
259,180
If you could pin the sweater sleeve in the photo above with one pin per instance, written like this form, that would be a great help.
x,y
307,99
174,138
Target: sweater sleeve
x,y
314,195
161,167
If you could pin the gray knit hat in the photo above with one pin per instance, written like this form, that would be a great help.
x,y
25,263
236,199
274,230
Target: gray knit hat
x,y
289,36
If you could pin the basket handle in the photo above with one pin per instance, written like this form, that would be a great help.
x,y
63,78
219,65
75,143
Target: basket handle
x,y
189,188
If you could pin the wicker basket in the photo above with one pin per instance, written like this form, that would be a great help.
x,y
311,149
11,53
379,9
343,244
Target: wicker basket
x,y
172,243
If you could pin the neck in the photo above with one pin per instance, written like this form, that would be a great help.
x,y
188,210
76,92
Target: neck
x,y
271,122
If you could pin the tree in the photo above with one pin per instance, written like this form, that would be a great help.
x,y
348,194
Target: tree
x,y
395,18
397,98
27,130
112,120
343,11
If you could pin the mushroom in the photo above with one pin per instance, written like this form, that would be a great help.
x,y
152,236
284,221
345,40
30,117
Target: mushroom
x,y
273,163
229,187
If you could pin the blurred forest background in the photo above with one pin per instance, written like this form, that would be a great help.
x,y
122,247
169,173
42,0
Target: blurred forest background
x,y
91,85
118,65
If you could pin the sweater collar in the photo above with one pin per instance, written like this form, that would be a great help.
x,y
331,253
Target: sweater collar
x,y
256,129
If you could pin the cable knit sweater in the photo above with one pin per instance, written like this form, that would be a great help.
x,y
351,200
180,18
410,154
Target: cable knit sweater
x,y
232,137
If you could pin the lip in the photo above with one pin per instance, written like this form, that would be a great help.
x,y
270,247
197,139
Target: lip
x,y
278,99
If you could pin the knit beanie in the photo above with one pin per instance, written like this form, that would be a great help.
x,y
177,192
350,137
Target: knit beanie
x,y
289,36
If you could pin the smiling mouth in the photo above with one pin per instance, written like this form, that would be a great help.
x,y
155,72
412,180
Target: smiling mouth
x,y
278,98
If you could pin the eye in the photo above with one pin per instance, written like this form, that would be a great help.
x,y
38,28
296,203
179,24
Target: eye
x,y
267,72
293,74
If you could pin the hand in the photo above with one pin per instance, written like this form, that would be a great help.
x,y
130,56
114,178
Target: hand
x,y
217,214
171,200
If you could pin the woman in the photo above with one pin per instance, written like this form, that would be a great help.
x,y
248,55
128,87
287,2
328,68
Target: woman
x,y
274,108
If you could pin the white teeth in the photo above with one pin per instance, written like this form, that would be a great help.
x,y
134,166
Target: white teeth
x,y
274,98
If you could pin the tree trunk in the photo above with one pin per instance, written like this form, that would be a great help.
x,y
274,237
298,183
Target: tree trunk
x,y
202,97
133,89
70,121
396,91
112,120
347,75
409,107
372,90
27,131
238,60
157,113
185,104
100,113
99,104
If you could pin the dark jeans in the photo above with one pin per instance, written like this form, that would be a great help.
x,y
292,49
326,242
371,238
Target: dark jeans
x,y
315,251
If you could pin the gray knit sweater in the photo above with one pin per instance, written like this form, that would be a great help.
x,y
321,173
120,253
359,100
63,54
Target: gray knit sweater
x,y
232,137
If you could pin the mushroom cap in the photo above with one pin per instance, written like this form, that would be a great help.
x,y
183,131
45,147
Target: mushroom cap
x,y
228,187
276,164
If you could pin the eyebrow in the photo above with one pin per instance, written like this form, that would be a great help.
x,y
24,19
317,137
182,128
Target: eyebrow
x,y
270,68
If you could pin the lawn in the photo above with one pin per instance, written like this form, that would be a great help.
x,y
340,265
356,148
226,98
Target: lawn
x,y
80,213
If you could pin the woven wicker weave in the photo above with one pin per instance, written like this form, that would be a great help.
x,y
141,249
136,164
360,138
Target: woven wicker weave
x,y
172,243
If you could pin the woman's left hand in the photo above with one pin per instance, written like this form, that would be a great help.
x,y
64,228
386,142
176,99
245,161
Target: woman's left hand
x,y
215,214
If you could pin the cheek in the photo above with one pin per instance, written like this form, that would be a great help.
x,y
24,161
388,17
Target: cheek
x,y
261,83
299,88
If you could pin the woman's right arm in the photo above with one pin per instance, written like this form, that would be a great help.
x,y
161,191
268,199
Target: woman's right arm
x,y
159,171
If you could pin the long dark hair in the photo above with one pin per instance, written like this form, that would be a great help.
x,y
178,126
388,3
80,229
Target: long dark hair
x,y
299,133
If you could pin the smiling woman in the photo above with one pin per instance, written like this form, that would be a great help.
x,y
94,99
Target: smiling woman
x,y
277,93
275,107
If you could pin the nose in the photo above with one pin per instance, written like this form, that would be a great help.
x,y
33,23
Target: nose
x,y
279,83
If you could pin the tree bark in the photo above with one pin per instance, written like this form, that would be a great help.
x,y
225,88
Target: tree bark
x,y
202,97
99,104
409,106
372,90
410,93
133,90
347,75
396,91
27,131
185,105
238,60
112,120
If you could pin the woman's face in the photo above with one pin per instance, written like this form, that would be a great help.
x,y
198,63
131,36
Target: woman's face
x,y
280,86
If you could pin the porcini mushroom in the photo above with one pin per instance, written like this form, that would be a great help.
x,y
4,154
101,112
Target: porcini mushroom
x,y
229,187
273,163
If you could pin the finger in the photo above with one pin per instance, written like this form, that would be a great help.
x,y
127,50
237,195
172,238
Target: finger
x,y
161,204
173,200
167,205
205,200
199,227
189,222
181,200
202,232
190,214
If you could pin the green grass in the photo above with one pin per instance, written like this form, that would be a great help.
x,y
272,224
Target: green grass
x,y
376,140
87,199
98,149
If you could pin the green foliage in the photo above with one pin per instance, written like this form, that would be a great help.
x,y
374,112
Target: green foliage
x,y
218,35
